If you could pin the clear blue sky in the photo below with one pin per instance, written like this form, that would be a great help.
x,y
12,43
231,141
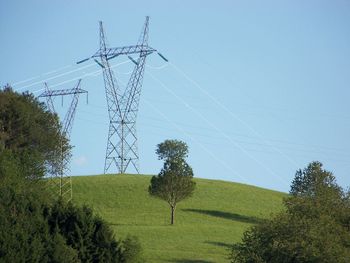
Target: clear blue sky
x,y
267,87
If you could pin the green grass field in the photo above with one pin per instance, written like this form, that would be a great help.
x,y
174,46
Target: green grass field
x,y
205,225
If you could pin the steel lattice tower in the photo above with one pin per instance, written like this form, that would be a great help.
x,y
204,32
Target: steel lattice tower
x,y
123,106
60,179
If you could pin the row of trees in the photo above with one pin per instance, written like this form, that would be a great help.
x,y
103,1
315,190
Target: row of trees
x,y
34,226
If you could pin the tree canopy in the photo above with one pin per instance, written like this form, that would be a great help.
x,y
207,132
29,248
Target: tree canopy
x,y
174,182
172,150
31,132
315,226
34,227
313,181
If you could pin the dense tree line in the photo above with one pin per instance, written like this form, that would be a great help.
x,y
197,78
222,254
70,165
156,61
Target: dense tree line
x,y
313,228
34,226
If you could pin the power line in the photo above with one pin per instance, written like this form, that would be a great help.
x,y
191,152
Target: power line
x,y
222,106
183,132
197,142
219,130
56,76
158,68
44,74
191,137
91,74
196,134
317,148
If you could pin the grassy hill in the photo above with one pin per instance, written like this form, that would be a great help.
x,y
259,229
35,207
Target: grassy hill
x,y
205,225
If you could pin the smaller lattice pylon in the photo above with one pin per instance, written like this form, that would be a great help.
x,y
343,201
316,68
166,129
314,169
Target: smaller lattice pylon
x,y
60,179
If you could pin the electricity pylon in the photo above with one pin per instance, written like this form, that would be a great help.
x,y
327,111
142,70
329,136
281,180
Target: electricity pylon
x,y
60,179
123,106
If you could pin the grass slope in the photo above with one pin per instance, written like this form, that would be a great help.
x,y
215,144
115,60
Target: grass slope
x,y
205,225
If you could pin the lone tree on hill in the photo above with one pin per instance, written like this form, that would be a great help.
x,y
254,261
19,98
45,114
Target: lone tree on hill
x,y
174,182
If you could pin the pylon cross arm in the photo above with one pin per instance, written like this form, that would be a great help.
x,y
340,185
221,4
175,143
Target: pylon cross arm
x,y
52,93
110,53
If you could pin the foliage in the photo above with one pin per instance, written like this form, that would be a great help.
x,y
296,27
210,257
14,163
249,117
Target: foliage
x,y
28,138
132,250
24,232
33,227
174,182
172,150
29,130
89,235
314,228
312,181
33,230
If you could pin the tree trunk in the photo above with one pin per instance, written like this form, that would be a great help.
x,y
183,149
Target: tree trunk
x,y
172,214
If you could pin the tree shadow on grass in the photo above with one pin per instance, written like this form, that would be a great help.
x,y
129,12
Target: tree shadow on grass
x,y
227,215
219,244
190,261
